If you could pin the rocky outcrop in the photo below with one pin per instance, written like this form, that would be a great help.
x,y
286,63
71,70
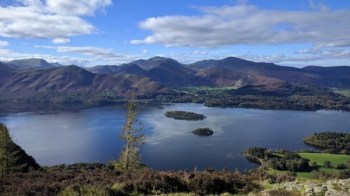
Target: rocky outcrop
x,y
310,188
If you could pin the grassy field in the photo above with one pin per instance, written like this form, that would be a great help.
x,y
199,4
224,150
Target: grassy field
x,y
319,158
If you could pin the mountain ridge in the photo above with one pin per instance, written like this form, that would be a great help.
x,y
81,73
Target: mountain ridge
x,y
159,73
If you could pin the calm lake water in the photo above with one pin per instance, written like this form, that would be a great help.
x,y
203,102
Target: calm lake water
x,y
92,135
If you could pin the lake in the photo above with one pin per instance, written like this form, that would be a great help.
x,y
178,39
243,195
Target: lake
x,y
92,135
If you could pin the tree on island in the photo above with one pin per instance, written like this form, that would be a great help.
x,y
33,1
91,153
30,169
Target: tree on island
x,y
129,158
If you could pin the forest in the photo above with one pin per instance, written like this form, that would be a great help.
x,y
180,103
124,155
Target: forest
x,y
284,160
286,96
336,142
183,115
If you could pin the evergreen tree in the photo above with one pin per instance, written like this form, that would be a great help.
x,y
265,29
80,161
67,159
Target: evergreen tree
x,y
12,157
132,134
5,146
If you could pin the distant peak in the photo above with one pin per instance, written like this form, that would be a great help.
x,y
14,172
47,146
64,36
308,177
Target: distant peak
x,y
231,58
159,58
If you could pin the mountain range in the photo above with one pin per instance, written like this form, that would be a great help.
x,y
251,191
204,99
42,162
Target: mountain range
x,y
157,75
229,71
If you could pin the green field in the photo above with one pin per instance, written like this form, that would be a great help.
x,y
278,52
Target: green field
x,y
319,158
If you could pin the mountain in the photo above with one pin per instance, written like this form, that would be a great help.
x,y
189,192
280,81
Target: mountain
x,y
172,73
74,79
327,77
104,69
142,64
32,63
158,74
165,71
5,72
229,62
152,62
132,69
222,77
56,64
338,76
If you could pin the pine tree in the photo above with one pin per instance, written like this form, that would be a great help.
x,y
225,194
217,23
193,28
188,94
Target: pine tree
x,y
12,157
5,149
129,158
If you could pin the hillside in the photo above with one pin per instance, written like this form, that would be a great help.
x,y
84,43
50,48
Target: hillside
x,y
284,87
152,62
172,73
72,79
229,71
103,69
221,77
30,64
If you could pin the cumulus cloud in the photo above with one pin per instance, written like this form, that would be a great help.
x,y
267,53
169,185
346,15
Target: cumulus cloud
x,y
96,53
8,55
3,43
302,56
51,19
60,40
76,7
248,24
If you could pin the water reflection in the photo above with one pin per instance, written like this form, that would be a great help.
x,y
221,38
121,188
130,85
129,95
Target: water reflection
x,y
91,135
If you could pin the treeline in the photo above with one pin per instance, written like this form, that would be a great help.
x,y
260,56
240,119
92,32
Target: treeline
x,y
227,98
279,160
334,142
84,97
183,115
282,96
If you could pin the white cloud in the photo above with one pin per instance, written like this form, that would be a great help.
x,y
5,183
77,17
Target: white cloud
x,y
199,52
247,24
3,43
8,55
46,19
97,54
60,40
76,7
304,56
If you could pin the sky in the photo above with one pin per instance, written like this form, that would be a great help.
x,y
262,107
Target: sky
x,y
112,32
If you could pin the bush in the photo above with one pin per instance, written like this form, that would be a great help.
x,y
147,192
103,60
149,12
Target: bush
x,y
341,166
327,164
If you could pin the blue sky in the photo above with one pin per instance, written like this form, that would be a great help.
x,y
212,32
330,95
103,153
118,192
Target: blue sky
x,y
95,32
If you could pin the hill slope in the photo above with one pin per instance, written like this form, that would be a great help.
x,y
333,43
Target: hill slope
x,y
74,79
32,63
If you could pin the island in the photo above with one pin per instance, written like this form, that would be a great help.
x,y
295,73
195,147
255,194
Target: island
x,y
203,132
183,115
